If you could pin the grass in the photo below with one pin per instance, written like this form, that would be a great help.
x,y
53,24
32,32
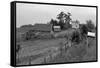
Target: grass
x,y
37,48
42,51
78,53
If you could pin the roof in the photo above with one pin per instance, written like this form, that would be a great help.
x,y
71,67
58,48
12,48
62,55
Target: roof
x,y
38,27
42,27
57,28
24,29
91,34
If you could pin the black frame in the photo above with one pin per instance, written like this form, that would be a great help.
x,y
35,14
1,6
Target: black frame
x,y
13,31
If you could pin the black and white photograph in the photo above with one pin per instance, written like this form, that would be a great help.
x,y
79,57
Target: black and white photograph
x,y
53,34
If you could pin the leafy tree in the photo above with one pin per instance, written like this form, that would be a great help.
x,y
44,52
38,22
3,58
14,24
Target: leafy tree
x,y
54,22
60,16
76,37
83,31
90,25
67,21
64,20
61,24
67,17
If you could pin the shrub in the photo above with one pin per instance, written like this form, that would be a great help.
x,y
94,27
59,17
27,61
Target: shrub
x,y
18,47
76,37
90,25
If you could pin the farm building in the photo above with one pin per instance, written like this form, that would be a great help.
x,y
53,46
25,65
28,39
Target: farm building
x,y
45,28
91,34
56,28
42,27
41,31
75,24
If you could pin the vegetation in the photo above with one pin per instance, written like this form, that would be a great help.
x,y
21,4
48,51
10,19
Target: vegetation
x,y
54,22
64,20
90,25
76,37
18,47
70,48
29,35
29,25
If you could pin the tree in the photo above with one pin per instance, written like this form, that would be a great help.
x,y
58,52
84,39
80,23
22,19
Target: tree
x,y
67,17
51,21
90,25
61,24
64,20
76,37
60,16
54,22
83,31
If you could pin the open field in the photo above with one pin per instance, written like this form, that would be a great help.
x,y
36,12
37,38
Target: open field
x,y
38,48
39,51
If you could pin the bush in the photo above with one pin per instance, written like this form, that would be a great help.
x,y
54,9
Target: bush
x,y
84,29
90,25
76,37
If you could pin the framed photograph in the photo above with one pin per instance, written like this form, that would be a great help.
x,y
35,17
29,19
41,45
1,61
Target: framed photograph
x,y
51,33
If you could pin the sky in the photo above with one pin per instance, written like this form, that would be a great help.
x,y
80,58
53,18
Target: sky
x,y
40,13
